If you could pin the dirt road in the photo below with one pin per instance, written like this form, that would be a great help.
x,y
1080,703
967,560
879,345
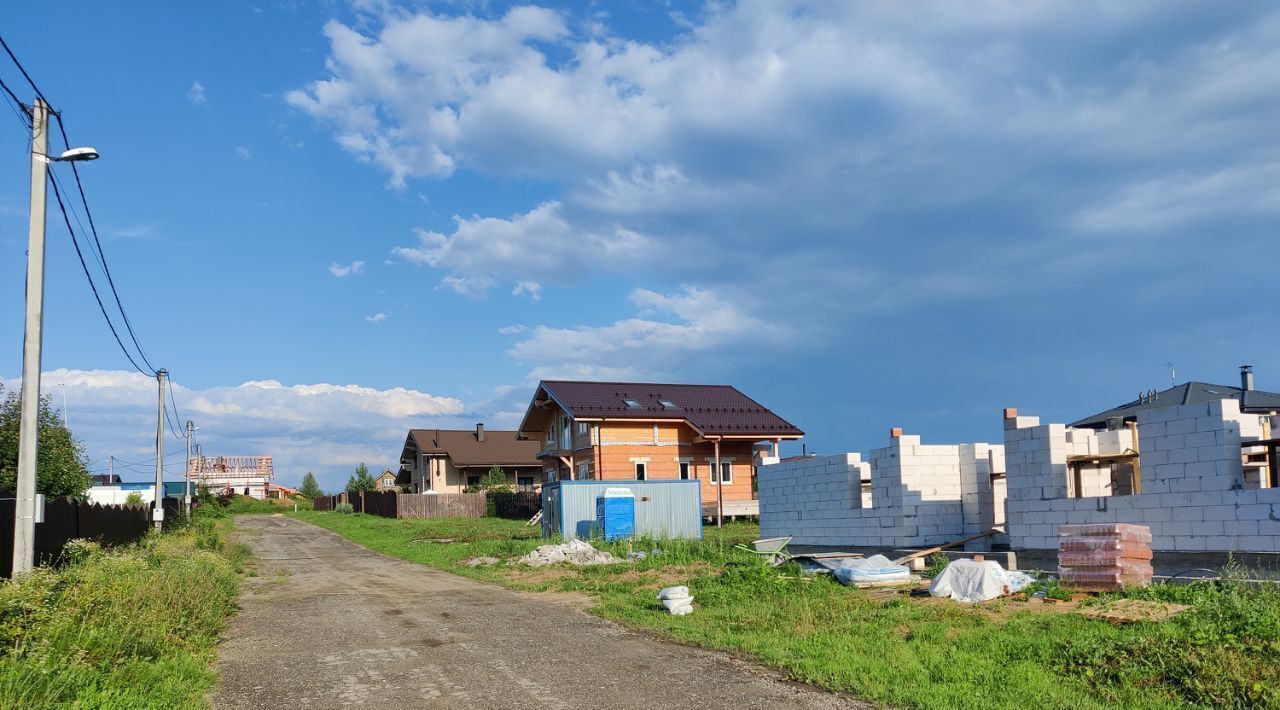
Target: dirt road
x,y
328,623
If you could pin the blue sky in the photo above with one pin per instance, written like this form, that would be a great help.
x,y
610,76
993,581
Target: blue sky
x,y
332,221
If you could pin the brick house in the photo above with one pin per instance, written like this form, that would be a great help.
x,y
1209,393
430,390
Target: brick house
x,y
640,431
451,460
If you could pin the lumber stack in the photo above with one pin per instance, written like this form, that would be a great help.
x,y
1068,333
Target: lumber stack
x,y
1104,557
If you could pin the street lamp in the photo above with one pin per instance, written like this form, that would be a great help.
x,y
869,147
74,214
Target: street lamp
x,y
24,513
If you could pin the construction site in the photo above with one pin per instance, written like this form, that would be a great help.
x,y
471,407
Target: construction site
x,y
238,475
1196,465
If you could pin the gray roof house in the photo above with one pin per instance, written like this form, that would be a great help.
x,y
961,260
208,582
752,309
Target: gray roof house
x,y
1252,401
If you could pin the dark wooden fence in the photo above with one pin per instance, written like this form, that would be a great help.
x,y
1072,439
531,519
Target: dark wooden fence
x,y
409,505
68,518
516,506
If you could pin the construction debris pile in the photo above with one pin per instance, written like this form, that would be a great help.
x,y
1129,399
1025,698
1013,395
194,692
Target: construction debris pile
x,y
574,552
1104,557
875,570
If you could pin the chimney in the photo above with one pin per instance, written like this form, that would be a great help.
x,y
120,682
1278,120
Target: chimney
x,y
1246,377
480,432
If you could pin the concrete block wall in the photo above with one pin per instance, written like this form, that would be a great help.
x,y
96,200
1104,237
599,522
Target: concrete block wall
x,y
920,495
1193,490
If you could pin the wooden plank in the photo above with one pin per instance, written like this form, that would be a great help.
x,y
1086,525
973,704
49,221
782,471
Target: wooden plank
x,y
946,546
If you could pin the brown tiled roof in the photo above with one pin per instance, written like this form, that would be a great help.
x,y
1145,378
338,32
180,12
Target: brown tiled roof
x,y
463,447
712,409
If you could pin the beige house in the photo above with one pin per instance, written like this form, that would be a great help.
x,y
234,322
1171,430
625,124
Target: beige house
x,y
451,460
387,481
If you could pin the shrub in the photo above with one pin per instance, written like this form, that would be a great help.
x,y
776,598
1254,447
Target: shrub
x,y
134,498
344,508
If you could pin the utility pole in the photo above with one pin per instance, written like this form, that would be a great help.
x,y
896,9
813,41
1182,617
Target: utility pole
x,y
111,469
186,470
24,520
157,513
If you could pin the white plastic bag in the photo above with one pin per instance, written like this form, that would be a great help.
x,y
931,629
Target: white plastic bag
x,y
677,600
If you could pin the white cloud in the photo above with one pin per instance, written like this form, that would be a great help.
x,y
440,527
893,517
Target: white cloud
x,y
322,427
698,321
532,289
377,317
243,153
341,270
513,329
853,156
196,94
532,247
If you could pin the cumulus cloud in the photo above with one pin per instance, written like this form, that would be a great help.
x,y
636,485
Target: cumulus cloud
x,y
322,427
377,317
196,94
844,158
528,248
513,329
666,327
243,153
341,270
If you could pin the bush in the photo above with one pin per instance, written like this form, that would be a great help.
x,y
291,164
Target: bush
x,y
344,508
134,498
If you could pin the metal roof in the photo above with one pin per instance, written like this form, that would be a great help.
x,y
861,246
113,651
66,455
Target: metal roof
x,y
716,410
1251,401
464,448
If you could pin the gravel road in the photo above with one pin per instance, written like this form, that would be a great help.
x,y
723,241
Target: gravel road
x,y
329,624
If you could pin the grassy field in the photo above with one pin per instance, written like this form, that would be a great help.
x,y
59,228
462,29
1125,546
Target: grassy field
x,y
134,627
893,648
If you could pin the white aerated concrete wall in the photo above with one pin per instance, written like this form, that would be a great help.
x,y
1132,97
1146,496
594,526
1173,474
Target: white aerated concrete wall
x,y
920,495
1193,488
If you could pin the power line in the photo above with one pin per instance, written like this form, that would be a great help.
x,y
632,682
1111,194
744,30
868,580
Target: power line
x,y
19,108
102,257
61,207
25,75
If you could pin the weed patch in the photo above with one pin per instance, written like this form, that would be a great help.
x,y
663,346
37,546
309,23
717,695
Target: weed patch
x,y
125,628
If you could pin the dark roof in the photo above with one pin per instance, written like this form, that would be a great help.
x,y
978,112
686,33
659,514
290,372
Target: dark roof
x,y
711,409
1251,401
465,449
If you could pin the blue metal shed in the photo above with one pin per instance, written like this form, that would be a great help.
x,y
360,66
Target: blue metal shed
x,y
663,509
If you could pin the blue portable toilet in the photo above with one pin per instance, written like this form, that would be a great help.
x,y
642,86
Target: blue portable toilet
x,y
616,513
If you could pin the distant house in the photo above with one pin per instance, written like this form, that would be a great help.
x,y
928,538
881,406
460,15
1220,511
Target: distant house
x,y
387,481
640,431
1251,401
450,460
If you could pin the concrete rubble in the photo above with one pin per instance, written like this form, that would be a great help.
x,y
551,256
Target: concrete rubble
x,y
574,552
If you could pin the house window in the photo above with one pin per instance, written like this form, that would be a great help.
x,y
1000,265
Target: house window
x,y
582,428
584,472
473,480
632,404
686,470
525,483
641,470
667,404
726,473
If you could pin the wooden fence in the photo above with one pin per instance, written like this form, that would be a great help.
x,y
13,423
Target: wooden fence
x,y
68,518
409,505
516,506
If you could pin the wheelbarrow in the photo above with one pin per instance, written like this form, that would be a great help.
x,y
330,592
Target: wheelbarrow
x,y
771,550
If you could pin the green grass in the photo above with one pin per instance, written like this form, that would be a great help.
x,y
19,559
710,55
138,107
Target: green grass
x,y
898,650
134,627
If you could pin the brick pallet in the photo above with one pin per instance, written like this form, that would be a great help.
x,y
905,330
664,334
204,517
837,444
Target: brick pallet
x,y
1104,557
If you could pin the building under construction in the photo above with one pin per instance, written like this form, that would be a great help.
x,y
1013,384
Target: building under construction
x,y
239,475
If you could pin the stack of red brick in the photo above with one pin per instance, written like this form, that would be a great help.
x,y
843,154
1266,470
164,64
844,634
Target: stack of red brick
x,y
1104,557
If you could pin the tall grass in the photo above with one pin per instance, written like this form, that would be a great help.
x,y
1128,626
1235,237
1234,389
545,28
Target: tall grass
x,y
129,628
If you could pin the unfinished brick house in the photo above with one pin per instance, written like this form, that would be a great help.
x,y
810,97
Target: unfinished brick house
x,y
908,494
643,431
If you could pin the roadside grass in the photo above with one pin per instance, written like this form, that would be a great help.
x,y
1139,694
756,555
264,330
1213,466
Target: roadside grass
x,y
890,648
133,627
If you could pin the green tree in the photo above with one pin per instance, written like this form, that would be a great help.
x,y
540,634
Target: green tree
x,y
495,479
309,487
362,481
61,469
